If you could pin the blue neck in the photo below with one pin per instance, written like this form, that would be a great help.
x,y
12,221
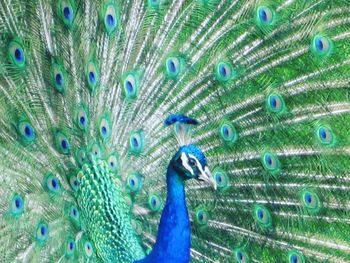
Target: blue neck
x,y
174,235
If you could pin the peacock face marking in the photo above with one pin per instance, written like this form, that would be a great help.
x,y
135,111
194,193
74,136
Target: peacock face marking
x,y
192,163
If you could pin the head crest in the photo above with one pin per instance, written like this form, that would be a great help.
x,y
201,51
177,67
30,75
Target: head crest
x,y
182,127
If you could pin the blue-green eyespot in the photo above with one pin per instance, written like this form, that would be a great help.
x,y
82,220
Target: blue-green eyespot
x,y
74,183
92,75
42,233
275,103
113,162
325,135
295,256
240,256
202,217
131,85
26,132
66,9
105,126
270,162
96,150
154,3
321,45
134,182
265,16
228,132
62,143
174,66
70,247
224,71
82,117
74,213
58,76
310,201
221,178
262,216
136,142
154,203
16,53
17,205
110,19
52,184
88,248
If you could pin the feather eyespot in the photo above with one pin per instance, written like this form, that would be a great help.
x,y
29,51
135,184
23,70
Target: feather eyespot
x,y
154,3
82,118
88,249
134,182
173,66
271,163
310,201
26,132
105,124
131,86
42,233
240,256
224,71
110,18
262,216
74,183
228,132
321,45
275,103
58,77
74,213
154,203
92,75
202,217
295,257
96,151
325,135
17,205
221,178
265,15
70,248
136,142
16,53
113,162
80,156
67,13
62,143
52,184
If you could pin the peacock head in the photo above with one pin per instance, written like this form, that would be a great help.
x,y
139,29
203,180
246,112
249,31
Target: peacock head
x,y
189,161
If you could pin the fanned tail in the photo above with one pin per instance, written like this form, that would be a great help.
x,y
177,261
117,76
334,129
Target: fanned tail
x,y
268,82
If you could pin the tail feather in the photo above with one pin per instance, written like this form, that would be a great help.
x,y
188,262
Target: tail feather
x,y
266,80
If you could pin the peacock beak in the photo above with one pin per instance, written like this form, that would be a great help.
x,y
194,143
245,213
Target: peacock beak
x,y
206,176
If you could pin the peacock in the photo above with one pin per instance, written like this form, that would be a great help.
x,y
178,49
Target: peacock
x,y
160,131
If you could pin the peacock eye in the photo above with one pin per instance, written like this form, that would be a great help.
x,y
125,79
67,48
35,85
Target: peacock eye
x,y
191,161
17,205
70,248
17,54
321,45
295,257
265,15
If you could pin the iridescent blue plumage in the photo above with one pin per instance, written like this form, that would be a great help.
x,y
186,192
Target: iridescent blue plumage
x,y
173,238
174,234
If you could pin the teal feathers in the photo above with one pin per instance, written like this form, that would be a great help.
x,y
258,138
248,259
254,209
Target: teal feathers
x,y
85,87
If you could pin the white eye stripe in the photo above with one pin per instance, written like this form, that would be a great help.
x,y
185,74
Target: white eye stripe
x,y
184,161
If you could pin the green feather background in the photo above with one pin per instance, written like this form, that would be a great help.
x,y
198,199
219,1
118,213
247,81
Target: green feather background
x,y
94,80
